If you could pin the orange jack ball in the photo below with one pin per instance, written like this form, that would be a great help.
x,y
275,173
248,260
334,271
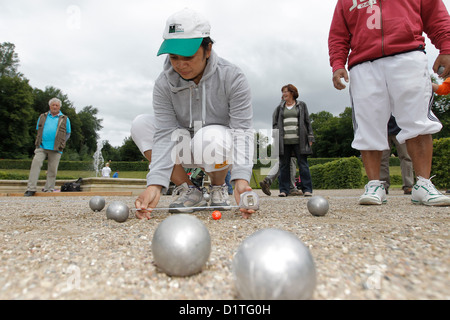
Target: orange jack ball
x,y
216,215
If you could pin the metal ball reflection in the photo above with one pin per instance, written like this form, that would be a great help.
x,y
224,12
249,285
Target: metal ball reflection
x,y
318,206
97,203
118,211
181,245
274,264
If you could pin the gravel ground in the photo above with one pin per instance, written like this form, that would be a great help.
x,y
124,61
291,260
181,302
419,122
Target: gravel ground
x,y
57,248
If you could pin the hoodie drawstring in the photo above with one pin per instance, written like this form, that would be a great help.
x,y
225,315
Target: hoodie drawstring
x,y
190,107
203,105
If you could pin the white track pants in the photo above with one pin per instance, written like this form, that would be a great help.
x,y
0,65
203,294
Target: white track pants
x,y
400,85
211,147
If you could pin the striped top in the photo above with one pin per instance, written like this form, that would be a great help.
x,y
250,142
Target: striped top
x,y
290,123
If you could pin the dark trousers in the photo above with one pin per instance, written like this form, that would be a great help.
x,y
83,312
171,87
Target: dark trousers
x,y
302,161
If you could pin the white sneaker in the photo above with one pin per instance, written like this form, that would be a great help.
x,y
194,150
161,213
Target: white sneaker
x,y
189,198
220,197
424,192
374,194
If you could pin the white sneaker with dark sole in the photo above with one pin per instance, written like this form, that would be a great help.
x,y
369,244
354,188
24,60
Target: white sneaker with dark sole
x,y
424,192
374,194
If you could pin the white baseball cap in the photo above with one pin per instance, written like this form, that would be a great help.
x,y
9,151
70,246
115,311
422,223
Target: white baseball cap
x,y
184,33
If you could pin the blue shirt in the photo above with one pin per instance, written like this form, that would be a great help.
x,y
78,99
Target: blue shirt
x,y
49,133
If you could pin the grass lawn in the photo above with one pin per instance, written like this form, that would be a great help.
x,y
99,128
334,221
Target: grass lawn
x,y
68,174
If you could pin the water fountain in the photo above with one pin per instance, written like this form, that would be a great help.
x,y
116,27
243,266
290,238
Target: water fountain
x,y
98,158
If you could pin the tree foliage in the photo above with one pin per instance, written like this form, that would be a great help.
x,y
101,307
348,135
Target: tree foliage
x,y
111,153
129,151
90,125
9,60
333,135
16,112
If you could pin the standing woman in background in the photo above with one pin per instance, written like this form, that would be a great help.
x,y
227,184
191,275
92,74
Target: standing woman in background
x,y
295,136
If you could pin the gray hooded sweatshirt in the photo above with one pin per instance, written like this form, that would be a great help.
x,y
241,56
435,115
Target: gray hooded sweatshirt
x,y
222,97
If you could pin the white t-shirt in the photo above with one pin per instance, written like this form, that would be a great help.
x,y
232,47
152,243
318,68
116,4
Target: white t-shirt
x,y
106,171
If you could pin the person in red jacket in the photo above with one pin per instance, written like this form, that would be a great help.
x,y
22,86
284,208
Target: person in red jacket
x,y
382,44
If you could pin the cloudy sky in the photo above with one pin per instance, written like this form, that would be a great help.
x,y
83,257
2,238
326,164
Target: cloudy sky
x,y
103,52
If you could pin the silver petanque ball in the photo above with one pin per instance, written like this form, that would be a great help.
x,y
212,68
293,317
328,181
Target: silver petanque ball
x,y
318,206
97,203
273,264
117,211
181,245
440,70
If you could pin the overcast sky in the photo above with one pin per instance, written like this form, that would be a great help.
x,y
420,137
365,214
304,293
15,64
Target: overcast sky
x,y
103,52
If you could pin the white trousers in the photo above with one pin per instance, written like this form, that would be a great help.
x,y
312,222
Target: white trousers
x,y
142,131
400,85
211,147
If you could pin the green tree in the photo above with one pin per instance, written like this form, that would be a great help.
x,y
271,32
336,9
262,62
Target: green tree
x,y
9,60
90,125
129,151
333,135
110,153
16,100
322,124
345,133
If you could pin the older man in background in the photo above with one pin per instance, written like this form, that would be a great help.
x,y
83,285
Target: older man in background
x,y
53,131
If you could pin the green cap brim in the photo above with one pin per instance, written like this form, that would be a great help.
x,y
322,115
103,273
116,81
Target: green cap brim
x,y
181,47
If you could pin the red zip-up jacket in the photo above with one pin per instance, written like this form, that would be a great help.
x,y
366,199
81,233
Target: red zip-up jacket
x,y
372,29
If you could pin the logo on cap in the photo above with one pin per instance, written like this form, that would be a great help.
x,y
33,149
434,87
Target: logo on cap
x,y
175,28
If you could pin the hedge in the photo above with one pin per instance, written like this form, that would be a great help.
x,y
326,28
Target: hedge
x,y
311,162
345,173
396,179
441,163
